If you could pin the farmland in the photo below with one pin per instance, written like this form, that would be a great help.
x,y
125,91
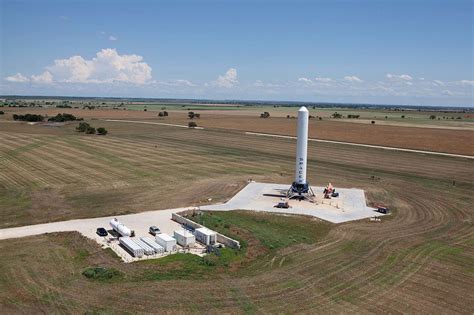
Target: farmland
x,y
420,259
450,136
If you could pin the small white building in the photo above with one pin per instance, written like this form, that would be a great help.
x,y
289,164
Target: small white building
x,y
205,236
168,243
184,238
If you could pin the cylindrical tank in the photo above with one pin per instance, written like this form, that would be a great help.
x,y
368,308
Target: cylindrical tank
x,y
302,146
120,228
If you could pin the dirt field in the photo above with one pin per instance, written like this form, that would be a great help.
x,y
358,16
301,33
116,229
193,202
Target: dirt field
x,y
418,261
439,139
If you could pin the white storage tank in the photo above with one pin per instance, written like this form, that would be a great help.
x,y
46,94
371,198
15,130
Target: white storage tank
x,y
168,243
184,238
153,244
205,236
148,249
120,228
131,246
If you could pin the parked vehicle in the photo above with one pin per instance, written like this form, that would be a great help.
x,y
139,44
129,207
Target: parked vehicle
x,y
101,231
383,210
120,228
154,230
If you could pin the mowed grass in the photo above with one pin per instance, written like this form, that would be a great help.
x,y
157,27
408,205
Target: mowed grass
x,y
273,231
65,175
419,261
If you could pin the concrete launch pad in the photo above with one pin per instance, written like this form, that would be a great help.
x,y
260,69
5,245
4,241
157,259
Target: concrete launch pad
x,y
349,206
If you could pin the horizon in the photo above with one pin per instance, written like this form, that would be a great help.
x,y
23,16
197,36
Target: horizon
x,y
325,52
204,101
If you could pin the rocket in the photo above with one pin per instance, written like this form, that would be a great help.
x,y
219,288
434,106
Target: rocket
x,y
302,146
300,188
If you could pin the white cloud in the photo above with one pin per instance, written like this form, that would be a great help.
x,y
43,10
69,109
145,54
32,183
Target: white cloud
x,y
466,82
438,83
113,38
399,77
352,78
325,80
19,78
106,67
305,80
44,78
258,83
228,80
177,83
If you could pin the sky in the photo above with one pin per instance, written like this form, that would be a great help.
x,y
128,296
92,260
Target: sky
x,y
380,52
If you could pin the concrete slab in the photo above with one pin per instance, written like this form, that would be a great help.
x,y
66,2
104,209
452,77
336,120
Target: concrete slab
x,y
350,205
139,222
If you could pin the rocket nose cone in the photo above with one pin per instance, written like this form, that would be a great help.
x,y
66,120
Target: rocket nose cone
x,y
303,109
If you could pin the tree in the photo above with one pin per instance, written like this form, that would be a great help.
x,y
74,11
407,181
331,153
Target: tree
x,y
2,112
373,122
28,117
83,126
192,115
403,116
90,130
165,113
101,131
432,116
265,115
192,124
336,115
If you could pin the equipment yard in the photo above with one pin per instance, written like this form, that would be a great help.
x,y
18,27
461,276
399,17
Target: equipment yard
x,y
54,180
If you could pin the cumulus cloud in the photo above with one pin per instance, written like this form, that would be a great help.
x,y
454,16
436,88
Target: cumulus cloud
x,y
44,78
352,78
107,66
177,83
315,80
325,80
466,82
228,80
304,80
113,38
17,78
399,77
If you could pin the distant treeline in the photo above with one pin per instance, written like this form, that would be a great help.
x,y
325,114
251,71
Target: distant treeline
x,y
37,118
28,117
64,117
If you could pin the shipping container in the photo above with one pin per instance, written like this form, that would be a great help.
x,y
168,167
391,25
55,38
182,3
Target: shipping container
x,y
205,236
168,243
131,246
184,238
153,244
148,250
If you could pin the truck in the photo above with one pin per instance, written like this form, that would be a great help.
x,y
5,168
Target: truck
x,y
121,229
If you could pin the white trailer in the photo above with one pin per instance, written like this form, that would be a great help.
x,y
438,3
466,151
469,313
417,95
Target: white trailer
x,y
131,246
120,228
148,249
153,244
184,238
168,243
205,236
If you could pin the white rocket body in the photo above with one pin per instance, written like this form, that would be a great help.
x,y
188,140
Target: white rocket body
x,y
302,146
